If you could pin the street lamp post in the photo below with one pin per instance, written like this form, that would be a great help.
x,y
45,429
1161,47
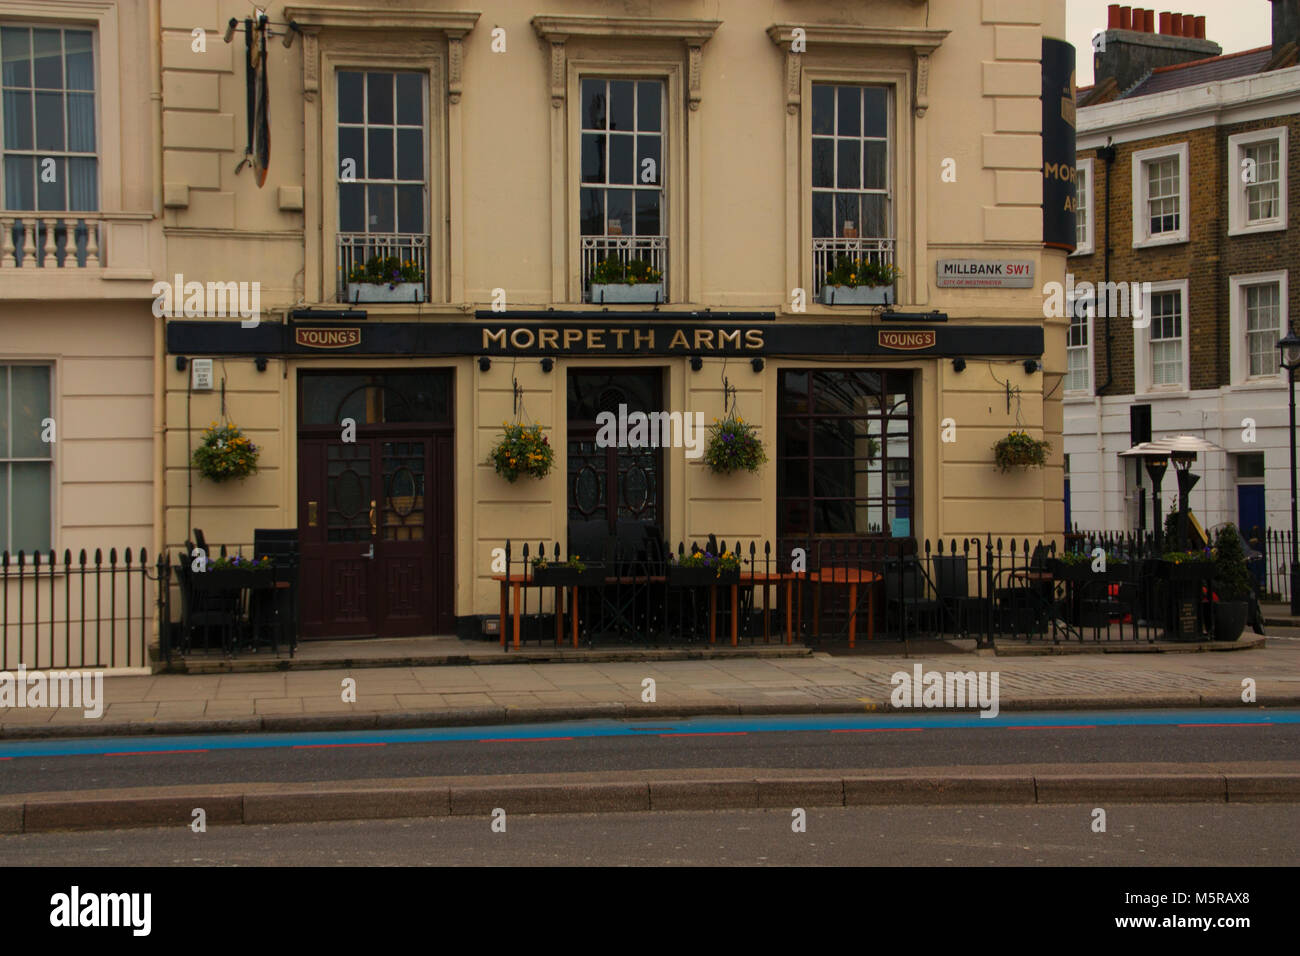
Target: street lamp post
x,y
1289,347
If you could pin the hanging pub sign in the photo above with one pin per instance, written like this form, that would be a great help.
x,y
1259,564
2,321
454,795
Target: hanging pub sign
x,y
1058,145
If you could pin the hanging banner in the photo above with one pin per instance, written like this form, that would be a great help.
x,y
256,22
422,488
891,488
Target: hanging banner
x,y
1058,145
260,120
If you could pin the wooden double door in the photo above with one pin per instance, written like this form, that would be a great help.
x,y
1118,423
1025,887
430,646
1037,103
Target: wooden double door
x,y
375,508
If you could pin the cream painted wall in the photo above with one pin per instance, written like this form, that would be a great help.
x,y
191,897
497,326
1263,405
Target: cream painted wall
x,y
740,197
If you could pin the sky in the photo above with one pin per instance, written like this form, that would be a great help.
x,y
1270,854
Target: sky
x,y
1233,24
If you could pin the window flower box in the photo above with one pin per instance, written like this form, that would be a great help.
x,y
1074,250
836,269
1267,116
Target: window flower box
x,y
860,282
385,292
858,295
620,293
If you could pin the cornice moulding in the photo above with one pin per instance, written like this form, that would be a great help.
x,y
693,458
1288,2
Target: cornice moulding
x,y
368,18
689,31
920,40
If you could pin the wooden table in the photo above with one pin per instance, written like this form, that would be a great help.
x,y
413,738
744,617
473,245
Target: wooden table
x,y
851,577
766,579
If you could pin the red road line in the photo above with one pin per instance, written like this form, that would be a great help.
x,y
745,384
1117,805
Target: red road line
x,y
144,753
515,740
313,746
712,733
879,730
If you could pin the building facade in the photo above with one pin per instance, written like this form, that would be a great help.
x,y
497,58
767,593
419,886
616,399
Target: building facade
x,y
1195,205
507,159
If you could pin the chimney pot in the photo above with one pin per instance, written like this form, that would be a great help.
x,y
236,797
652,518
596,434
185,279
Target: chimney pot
x,y
1125,18
1189,25
1112,16
1200,28
1176,24
1149,21
1165,19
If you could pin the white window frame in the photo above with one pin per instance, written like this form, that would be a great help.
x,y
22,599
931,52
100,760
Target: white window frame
x,y
54,540
1238,208
1084,174
1142,237
1091,315
1142,342
1240,356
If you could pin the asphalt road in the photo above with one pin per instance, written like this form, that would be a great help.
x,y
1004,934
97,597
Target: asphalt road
x,y
1136,835
811,743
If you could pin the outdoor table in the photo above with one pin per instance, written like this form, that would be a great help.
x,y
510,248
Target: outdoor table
x,y
510,583
851,577
766,579
228,581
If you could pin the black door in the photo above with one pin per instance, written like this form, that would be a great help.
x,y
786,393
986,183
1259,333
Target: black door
x,y
613,485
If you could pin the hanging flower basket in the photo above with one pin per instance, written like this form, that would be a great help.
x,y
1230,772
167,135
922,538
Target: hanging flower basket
x,y
522,450
733,446
1019,450
225,453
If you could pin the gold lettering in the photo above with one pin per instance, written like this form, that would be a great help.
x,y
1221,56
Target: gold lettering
x,y
753,338
705,336
679,340
489,337
648,336
594,337
572,337
728,338
548,339
523,338
618,335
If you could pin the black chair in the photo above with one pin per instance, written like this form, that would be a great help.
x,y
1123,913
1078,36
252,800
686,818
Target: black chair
x,y
275,612
952,589
205,611
905,593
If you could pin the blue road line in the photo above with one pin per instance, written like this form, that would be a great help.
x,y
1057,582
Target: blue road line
x,y
646,728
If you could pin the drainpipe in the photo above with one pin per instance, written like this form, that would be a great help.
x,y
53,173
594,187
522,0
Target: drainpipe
x,y
1107,155
159,337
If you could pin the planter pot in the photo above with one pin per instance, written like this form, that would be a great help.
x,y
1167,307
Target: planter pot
x,y
857,295
560,576
228,579
1071,572
1190,571
1229,619
380,292
700,577
621,292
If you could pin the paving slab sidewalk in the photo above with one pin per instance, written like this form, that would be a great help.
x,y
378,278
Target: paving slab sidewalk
x,y
486,694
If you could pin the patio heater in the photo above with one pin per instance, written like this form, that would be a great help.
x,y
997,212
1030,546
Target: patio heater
x,y
1289,347
1186,482
1156,460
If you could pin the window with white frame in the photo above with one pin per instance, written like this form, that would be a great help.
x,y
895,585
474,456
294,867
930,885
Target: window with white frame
x,y
1257,199
383,173
47,112
1078,352
851,214
1160,346
1257,319
621,200
1160,209
1083,208
25,459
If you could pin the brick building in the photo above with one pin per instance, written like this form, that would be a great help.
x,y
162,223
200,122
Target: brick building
x,y
1201,140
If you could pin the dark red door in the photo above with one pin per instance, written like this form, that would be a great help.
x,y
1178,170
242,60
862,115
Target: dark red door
x,y
375,511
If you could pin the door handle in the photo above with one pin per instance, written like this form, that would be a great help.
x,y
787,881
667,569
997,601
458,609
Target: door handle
x,y
374,527
371,553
